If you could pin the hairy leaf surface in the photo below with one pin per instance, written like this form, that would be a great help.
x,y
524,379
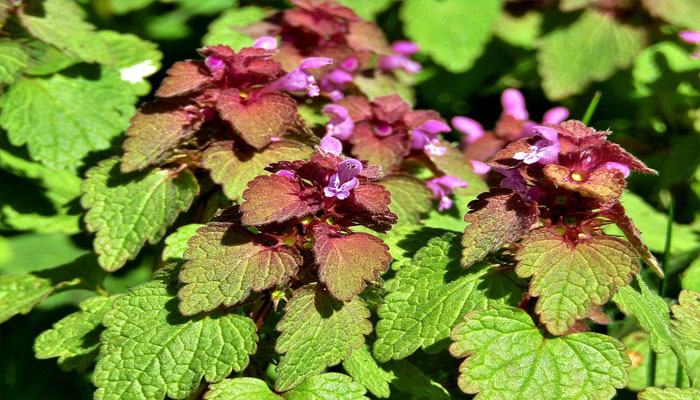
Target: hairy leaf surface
x,y
12,59
176,242
273,198
669,394
330,386
686,316
409,197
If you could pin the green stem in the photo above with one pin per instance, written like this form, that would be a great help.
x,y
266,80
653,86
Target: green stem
x,y
591,108
651,368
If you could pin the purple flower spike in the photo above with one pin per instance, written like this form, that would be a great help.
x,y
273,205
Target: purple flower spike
x,y
300,78
555,116
329,144
340,126
341,183
390,63
442,187
469,127
479,167
405,47
265,42
544,151
425,137
618,166
350,64
514,104
692,37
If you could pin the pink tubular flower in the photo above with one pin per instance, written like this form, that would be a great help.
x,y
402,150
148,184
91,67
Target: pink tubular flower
x,y
514,104
544,151
555,115
401,59
340,125
425,137
513,180
341,183
216,66
479,167
618,166
442,188
329,144
300,78
265,42
472,129
285,173
692,37
335,81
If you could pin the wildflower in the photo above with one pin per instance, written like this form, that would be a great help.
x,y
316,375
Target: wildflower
x,y
401,59
331,145
341,183
544,151
442,188
340,125
425,137
265,42
480,167
301,79
692,37
334,82
471,128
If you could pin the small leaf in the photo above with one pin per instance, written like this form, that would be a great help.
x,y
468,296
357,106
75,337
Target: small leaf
x,y
364,369
343,268
453,32
654,393
590,49
603,184
233,169
687,318
330,386
121,7
409,197
508,357
428,297
224,263
367,9
184,77
498,218
176,242
241,389
12,59
260,119
155,131
75,338
150,350
127,210
570,279
273,198
63,117
318,331
62,24
385,152
223,29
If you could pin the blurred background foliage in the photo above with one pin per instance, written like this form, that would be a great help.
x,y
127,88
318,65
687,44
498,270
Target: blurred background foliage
x,y
555,52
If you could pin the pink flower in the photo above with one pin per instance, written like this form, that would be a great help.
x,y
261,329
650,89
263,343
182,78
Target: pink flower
x,y
341,183
514,104
301,79
329,144
425,137
479,167
335,81
692,37
442,187
544,151
401,59
265,42
472,129
340,125
513,180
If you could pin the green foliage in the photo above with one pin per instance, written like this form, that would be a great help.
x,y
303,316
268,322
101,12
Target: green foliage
x,y
508,357
149,350
330,386
669,394
223,29
127,210
409,197
176,242
666,371
428,297
318,331
687,318
12,59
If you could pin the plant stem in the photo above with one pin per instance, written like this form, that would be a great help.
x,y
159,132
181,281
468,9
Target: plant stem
x,y
591,108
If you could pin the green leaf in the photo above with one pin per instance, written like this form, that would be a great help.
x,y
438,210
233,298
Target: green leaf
x,y
46,59
691,276
453,32
669,394
409,379
558,269
318,331
330,386
687,319
150,350
19,293
367,9
127,210
657,61
681,13
364,369
590,49
62,24
498,218
409,197
65,116
233,169
21,255
135,58
521,30
223,29
12,59
508,357
638,348
428,298
75,338
225,263
384,84
241,389
120,7
176,242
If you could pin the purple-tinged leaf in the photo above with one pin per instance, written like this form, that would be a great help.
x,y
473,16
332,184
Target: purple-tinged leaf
x,y
603,184
184,77
372,197
275,198
617,214
385,152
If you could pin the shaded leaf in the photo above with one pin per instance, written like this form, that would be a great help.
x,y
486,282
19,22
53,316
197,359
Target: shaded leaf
x,y
241,389
681,13
364,369
409,197
686,316
223,29
12,59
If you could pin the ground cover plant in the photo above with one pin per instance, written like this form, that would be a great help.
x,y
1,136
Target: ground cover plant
x,y
419,199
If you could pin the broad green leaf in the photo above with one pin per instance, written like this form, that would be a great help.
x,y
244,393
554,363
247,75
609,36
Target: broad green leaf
x,y
127,210
385,84
367,9
12,59
364,369
686,316
223,29
225,263
149,350
241,389
691,276
657,61
681,13
410,380
330,386
670,394
46,59
61,222
405,240
509,358
176,242
19,293
498,218
453,32
591,49
62,24
233,169
521,30
63,117
558,270
120,7
57,249
428,297
453,218
135,58
75,338
638,348
318,331
409,197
